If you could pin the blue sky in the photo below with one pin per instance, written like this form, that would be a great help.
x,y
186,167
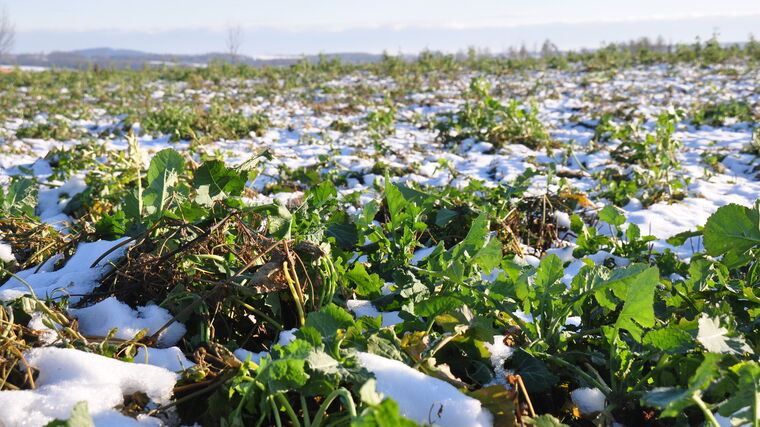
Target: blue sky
x,y
291,27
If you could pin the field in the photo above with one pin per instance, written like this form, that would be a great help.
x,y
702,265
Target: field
x,y
571,240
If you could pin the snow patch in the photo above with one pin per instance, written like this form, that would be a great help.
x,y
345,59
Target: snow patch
x,y
588,400
68,376
6,253
168,358
75,278
111,313
419,395
365,308
500,352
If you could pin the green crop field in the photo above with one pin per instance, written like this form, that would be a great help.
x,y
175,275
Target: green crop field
x,y
460,241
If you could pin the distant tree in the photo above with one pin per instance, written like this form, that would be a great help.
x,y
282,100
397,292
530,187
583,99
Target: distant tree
x,y
234,40
660,45
7,32
548,49
523,54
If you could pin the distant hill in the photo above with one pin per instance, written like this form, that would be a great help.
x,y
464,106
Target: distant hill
x,y
107,52
134,59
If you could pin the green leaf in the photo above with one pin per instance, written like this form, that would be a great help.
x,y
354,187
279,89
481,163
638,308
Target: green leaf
x,y
533,372
310,335
744,405
298,349
489,256
611,216
383,415
638,310
545,420
412,195
576,224
732,227
214,181
681,238
670,340
365,284
21,198
329,319
673,400
165,160
395,200
80,417
549,274
279,219
163,175
345,235
717,339
282,374
633,233
250,167
320,361
444,216
436,305
475,237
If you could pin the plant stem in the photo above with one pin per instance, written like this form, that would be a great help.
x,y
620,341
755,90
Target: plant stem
x,y
288,409
296,299
347,400
258,312
275,410
591,380
305,410
709,417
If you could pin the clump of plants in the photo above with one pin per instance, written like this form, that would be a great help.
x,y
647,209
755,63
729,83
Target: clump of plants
x,y
653,158
484,118
52,129
188,123
718,115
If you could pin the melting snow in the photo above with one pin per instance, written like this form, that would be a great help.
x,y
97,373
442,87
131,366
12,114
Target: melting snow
x,y
588,400
69,376
420,397
76,278
111,313
365,308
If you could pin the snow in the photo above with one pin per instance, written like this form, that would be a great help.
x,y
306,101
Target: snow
x,y
588,400
287,337
299,138
365,308
6,253
563,219
421,254
111,313
52,201
68,376
420,397
113,418
500,352
284,338
243,354
76,278
168,358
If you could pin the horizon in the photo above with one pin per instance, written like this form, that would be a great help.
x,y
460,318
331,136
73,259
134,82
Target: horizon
x,y
337,26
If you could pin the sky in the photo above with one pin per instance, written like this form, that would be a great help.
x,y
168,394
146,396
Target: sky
x,y
294,27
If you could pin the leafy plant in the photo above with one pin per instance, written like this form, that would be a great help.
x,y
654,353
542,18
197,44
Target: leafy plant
x,y
486,119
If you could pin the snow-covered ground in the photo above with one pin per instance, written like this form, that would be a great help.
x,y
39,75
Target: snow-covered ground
x,y
301,137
